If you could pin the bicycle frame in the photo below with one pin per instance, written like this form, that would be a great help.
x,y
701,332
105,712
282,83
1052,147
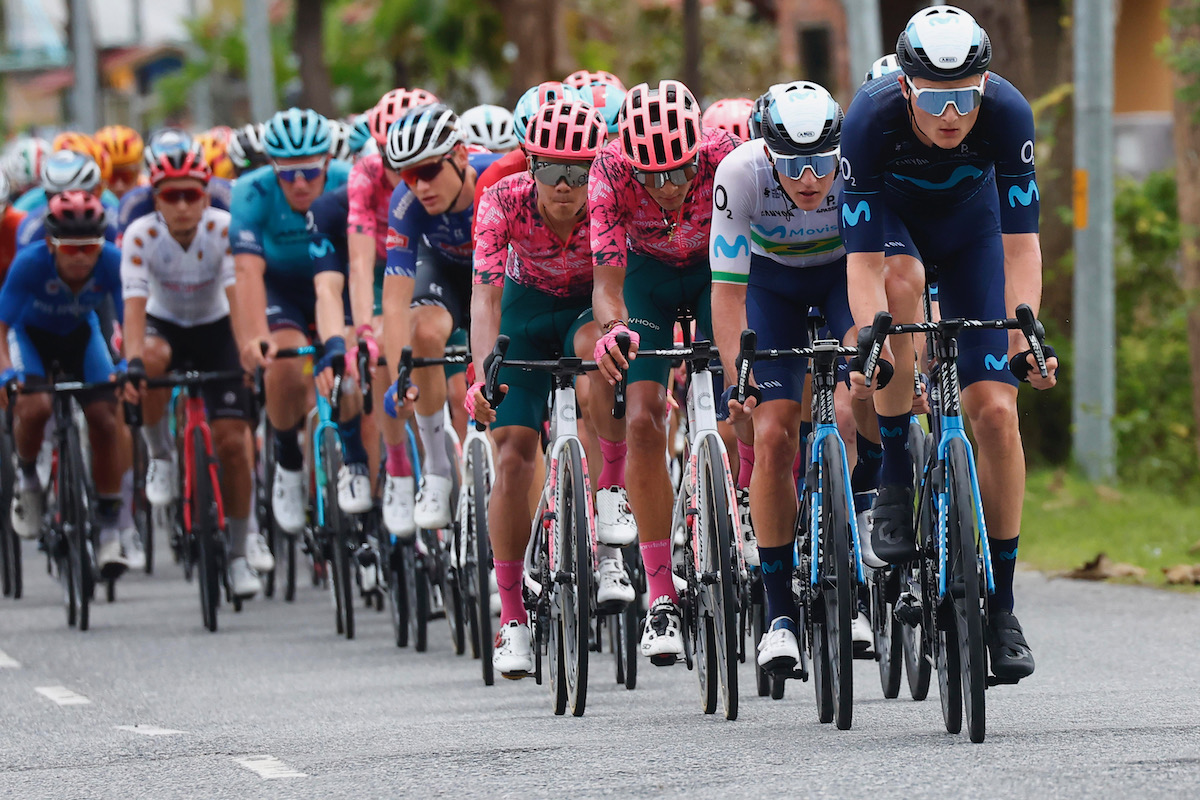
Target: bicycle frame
x,y
196,419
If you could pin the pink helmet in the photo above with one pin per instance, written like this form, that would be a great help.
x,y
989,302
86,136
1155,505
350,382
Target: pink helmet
x,y
731,114
581,78
566,129
391,107
660,128
75,214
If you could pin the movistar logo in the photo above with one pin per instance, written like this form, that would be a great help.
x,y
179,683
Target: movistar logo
x,y
722,247
996,363
891,433
320,250
1023,196
850,216
773,566
959,175
1007,556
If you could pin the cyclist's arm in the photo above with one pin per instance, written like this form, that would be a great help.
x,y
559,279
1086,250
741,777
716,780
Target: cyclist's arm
x,y
485,323
331,314
734,188
362,276
134,330
491,255
403,235
5,359
1022,280
397,295
865,287
251,315
608,298
729,320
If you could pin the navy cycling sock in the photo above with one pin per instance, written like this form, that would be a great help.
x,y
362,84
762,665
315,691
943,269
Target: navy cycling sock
x,y
805,429
353,451
777,563
1004,564
897,461
287,450
108,509
870,464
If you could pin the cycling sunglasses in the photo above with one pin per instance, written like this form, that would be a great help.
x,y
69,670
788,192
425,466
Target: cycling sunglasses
x,y
427,173
173,196
680,176
78,247
311,170
936,101
793,167
575,175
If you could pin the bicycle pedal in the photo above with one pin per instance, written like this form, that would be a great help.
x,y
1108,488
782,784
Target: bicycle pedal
x,y
781,668
865,653
665,660
995,680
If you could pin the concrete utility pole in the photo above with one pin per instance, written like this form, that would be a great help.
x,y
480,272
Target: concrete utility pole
x,y
201,94
84,96
1094,323
260,68
864,34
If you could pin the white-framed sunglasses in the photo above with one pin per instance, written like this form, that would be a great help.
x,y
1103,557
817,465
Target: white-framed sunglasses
x,y
936,101
793,167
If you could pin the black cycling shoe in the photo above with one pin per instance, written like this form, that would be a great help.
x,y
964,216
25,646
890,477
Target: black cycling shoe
x,y
893,537
1010,655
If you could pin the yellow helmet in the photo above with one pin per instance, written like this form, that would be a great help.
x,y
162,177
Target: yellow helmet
x,y
82,143
216,153
124,145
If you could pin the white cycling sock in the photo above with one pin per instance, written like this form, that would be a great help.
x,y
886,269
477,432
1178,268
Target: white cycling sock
x,y
158,438
433,435
239,529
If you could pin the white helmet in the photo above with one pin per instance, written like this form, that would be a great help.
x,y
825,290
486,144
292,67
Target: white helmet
x,y
339,140
423,132
23,162
490,127
5,191
67,170
882,66
943,43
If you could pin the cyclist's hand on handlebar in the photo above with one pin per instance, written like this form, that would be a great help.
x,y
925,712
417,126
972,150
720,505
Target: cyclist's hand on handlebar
x,y
395,406
858,382
258,352
1025,368
607,354
740,412
334,351
478,408
372,356
135,381
8,378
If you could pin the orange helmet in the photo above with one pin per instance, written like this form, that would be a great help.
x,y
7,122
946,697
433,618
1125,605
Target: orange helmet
x,y
124,145
216,153
82,143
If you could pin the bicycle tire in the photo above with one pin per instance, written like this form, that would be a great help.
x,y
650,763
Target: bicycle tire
x,y
558,669
480,559
838,583
340,556
77,526
398,594
574,548
918,659
7,490
758,626
717,523
945,633
416,582
141,506
204,532
889,645
968,609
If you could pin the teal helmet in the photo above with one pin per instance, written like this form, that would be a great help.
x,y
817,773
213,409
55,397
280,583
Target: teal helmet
x,y
296,133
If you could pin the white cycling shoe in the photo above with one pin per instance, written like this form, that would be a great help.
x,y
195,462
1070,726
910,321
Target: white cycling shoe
x,y
662,638
258,554
287,500
110,558
160,481
861,633
779,650
243,580
433,503
513,653
131,543
354,489
27,507
613,589
615,526
399,502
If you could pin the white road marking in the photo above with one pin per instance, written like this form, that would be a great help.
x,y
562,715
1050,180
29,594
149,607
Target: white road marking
x,y
62,695
269,767
8,662
148,730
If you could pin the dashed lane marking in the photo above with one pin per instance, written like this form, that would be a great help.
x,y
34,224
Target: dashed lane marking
x,y
148,730
62,695
8,662
269,767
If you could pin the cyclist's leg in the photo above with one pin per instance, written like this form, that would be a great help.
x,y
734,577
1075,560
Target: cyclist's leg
x,y
110,459
31,413
156,428
289,396
456,386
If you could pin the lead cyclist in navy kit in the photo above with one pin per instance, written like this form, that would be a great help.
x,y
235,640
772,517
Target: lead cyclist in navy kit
x,y
937,165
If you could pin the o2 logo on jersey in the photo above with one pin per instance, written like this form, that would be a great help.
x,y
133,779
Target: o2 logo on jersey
x,y
851,216
845,169
1027,151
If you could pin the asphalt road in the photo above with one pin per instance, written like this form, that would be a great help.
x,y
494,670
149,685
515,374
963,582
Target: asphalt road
x,y
148,704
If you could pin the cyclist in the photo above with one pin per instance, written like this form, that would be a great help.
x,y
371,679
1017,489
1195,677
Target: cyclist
x,y
215,145
47,316
246,148
884,65
650,198
429,266
541,298
938,166
776,250
139,201
63,171
490,127
10,220
83,144
275,298
178,278
22,163
731,114
125,147
607,98
514,162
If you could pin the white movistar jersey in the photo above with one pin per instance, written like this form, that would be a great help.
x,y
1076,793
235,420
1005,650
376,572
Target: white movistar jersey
x,y
185,287
752,214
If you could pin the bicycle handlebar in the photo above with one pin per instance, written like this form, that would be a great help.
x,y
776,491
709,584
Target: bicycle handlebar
x,y
1025,321
871,339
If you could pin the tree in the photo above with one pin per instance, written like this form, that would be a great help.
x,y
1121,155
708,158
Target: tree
x,y
308,39
1007,24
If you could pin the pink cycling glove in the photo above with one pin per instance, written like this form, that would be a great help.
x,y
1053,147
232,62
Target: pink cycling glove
x,y
609,341
469,403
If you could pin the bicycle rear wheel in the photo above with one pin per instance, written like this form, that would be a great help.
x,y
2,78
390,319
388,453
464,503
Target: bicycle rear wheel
x,y
918,659
341,556
718,582
76,526
205,533
572,573
479,559
141,506
889,645
416,583
969,588
837,583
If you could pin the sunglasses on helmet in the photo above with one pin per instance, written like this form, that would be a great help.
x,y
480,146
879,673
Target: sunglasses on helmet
x,y
936,101
793,167
310,170
78,247
575,175
680,176
426,173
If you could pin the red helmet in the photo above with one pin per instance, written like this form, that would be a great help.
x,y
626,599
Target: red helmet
x,y
567,129
731,114
391,107
177,159
75,215
581,78
660,128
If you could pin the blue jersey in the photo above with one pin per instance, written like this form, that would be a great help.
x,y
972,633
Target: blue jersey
x,y
328,246
139,201
35,296
409,225
35,198
265,225
33,228
883,161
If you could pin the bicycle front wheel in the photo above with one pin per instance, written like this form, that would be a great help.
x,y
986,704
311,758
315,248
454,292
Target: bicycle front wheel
x,y
719,582
572,572
479,559
968,587
837,584
889,646
205,533
337,540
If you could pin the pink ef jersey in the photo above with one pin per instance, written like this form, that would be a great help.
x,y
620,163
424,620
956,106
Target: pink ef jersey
x,y
508,215
369,192
625,217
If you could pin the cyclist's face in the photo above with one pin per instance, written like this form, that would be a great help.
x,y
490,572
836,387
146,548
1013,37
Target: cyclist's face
x,y
945,131
124,179
301,192
808,191
181,201
669,196
561,203
75,267
438,194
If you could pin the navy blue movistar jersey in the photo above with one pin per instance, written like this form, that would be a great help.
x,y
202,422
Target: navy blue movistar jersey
x,y
328,245
448,235
139,201
35,296
882,160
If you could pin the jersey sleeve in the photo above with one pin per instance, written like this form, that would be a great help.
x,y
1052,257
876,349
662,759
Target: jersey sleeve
x,y
109,267
14,294
135,273
404,232
607,220
324,223
862,178
491,239
246,231
361,193
1016,178
733,204
228,268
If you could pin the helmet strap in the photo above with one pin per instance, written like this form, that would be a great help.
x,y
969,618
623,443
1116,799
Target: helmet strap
x,y
912,118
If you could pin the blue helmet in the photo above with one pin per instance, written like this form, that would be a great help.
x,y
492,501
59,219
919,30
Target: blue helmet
x,y
536,97
605,98
801,118
360,133
296,133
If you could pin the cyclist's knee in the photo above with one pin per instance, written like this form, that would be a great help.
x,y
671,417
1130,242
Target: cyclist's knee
x,y
156,355
775,443
101,419
647,425
229,441
904,278
33,410
993,414
431,329
517,452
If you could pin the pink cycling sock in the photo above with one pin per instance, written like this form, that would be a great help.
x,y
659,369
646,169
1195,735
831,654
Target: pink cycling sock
x,y
398,465
656,557
509,576
745,464
612,473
